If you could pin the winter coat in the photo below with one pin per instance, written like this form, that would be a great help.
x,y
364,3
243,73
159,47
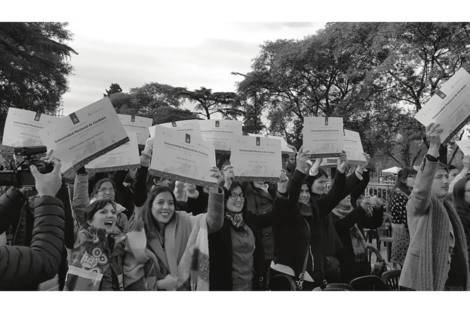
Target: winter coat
x,y
260,202
23,268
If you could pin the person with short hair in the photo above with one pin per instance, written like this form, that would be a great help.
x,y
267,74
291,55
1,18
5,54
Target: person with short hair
x,y
437,258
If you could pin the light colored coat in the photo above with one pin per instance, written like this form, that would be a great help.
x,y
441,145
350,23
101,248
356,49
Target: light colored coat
x,y
427,261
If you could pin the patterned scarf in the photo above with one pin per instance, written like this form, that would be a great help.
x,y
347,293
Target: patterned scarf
x,y
236,219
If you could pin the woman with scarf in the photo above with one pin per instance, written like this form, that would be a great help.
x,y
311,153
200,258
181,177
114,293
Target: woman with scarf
x,y
349,218
297,223
397,207
96,260
168,249
236,250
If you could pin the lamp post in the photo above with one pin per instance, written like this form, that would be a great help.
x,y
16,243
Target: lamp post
x,y
256,127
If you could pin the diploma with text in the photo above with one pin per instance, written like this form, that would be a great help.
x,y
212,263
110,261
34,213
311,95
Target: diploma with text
x,y
84,135
181,156
256,158
323,136
450,106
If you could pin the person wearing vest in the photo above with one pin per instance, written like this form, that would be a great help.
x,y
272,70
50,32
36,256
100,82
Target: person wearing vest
x,y
436,259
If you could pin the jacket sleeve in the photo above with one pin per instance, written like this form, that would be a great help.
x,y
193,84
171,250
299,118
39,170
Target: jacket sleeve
x,y
195,206
215,212
11,203
39,262
374,221
140,190
344,224
420,198
338,191
285,205
80,197
360,188
120,177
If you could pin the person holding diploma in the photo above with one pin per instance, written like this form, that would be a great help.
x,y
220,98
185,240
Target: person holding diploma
x,y
297,224
437,257
236,251
98,250
461,198
163,240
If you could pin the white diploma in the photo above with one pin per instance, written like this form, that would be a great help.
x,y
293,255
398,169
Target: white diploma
x,y
121,158
84,135
189,126
285,148
464,145
450,106
256,158
220,132
353,147
323,136
182,156
22,126
138,125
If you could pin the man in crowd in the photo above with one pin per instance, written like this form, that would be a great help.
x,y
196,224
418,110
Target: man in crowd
x,y
436,258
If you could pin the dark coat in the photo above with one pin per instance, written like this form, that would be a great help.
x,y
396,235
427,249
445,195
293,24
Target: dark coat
x,y
464,214
294,234
260,202
220,253
22,268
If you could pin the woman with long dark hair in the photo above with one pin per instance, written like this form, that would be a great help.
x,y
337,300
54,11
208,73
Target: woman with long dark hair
x,y
164,243
461,197
397,207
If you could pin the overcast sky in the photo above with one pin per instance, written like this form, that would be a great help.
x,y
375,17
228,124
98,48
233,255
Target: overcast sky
x,y
181,54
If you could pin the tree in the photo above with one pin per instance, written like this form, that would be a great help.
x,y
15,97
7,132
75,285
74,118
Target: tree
x,y
33,66
225,103
114,88
167,114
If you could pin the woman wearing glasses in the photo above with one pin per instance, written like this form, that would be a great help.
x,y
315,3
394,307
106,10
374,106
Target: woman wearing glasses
x,y
236,251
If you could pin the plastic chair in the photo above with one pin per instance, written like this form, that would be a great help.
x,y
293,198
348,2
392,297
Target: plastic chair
x,y
391,278
384,234
368,283
338,287
369,249
281,282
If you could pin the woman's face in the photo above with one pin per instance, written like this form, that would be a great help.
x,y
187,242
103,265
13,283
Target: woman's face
x,y
163,207
106,191
236,200
467,192
410,181
319,185
104,218
304,194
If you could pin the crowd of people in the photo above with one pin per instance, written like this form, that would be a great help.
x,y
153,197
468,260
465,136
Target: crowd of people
x,y
129,230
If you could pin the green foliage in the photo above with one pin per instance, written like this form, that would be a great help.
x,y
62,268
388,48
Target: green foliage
x,y
33,66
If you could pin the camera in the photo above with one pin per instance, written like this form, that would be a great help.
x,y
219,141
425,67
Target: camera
x,y
21,176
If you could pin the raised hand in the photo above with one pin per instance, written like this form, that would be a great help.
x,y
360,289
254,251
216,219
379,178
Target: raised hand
x,y
48,184
361,167
282,183
466,162
228,176
342,163
302,158
433,133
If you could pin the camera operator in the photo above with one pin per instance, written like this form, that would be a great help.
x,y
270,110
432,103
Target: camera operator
x,y
23,268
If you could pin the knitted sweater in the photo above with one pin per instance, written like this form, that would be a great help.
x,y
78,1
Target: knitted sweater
x,y
427,265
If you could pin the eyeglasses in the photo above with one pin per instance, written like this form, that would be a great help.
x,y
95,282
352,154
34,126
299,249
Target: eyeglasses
x,y
111,190
234,196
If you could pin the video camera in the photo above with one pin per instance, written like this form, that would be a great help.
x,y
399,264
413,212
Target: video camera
x,y
21,176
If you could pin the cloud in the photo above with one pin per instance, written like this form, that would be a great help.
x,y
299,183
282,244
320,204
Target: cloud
x,y
205,61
